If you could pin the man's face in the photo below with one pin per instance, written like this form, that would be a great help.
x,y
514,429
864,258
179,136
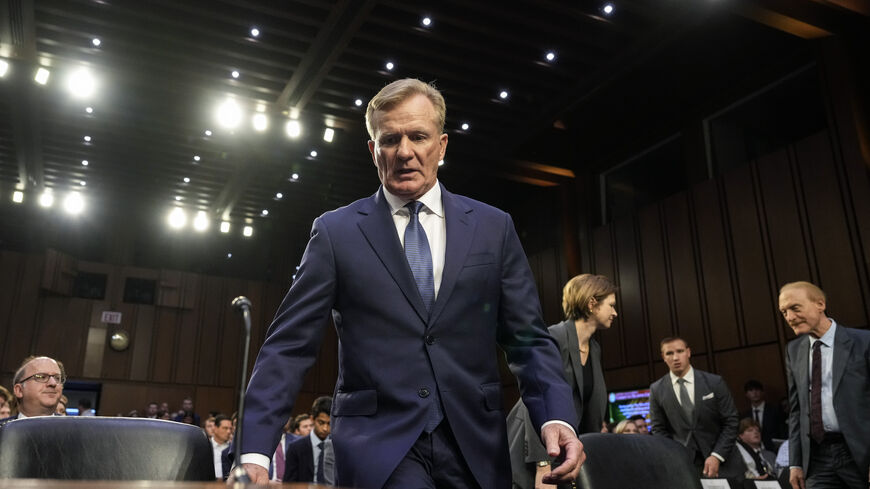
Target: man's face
x,y
755,395
321,426
676,355
407,147
752,436
223,431
305,427
641,426
35,398
152,409
187,405
802,314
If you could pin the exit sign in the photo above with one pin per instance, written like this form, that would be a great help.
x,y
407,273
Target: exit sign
x,y
111,317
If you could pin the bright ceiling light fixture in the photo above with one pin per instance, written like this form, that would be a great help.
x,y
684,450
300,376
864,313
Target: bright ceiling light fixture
x,y
225,226
503,95
260,122
465,126
200,222
294,128
42,75
265,212
607,8
96,42
46,199
74,203
85,163
551,56
89,110
279,196
247,231
235,74
255,32
328,134
18,196
207,132
390,65
294,177
177,218
313,153
358,102
81,83
4,68
427,21
229,114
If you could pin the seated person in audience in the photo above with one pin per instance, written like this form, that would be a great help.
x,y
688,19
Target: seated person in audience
x,y
291,432
759,462
6,400
187,410
626,427
769,416
37,385
61,406
640,422
209,426
302,425
151,410
220,441
84,406
305,456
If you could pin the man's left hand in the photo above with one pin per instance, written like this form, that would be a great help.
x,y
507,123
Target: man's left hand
x,y
561,442
711,467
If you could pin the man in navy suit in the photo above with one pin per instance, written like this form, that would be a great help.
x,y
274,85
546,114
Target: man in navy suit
x,y
829,439
421,284
304,456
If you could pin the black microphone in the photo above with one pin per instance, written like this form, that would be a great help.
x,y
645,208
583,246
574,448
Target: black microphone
x,y
239,474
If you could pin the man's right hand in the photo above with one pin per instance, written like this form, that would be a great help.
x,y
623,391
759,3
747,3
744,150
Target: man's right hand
x,y
796,478
257,473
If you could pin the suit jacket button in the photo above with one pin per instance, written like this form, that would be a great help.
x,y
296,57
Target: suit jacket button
x,y
430,340
423,392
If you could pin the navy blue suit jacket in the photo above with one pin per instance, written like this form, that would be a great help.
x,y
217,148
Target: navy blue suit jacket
x,y
392,352
299,461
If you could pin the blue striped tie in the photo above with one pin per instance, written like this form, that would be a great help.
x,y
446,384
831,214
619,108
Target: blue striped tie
x,y
419,256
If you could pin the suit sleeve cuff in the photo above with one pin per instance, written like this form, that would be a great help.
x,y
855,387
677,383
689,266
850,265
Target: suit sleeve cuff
x,y
256,458
718,457
557,421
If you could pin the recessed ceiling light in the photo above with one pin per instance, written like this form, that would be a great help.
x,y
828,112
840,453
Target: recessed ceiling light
x,y
229,114
186,180
234,74
89,110
96,42
294,177
177,198
313,153
225,228
74,203
279,195
200,222
247,231
207,132
255,32
177,218
294,128
196,158
87,139
229,255
551,56
81,83
4,68
357,102
18,196
328,134
41,76
46,199
260,122
84,162
265,212
83,183
503,95
465,126
607,8
389,66
427,21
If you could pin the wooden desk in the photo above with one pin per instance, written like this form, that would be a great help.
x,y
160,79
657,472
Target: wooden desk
x,y
66,484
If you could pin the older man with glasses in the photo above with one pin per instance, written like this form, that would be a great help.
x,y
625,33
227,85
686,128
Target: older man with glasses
x,y
38,385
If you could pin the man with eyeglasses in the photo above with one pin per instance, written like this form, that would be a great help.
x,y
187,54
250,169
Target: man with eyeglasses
x,y
38,385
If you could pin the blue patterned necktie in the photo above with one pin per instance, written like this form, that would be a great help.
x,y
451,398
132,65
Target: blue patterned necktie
x,y
419,256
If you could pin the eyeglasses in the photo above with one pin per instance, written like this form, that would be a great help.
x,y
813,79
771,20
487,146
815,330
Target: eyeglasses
x,y
43,378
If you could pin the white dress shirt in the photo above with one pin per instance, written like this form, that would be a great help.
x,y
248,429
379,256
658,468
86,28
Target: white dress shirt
x,y
217,448
690,384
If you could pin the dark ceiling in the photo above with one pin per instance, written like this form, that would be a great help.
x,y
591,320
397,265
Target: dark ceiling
x,y
163,66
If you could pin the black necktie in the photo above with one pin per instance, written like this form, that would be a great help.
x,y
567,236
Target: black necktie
x,y
320,463
817,429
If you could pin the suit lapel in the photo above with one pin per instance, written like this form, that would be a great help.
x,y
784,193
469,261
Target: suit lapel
x,y
376,224
574,353
801,370
701,387
460,231
843,351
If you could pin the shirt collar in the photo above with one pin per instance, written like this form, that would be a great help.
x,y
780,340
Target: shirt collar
x,y
431,199
690,376
827,339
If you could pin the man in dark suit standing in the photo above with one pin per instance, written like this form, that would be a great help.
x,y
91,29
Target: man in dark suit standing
x,y
694,408
421,285
768,416
828,371
304,457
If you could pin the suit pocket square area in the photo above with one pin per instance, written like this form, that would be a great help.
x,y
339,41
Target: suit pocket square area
x,y
708,396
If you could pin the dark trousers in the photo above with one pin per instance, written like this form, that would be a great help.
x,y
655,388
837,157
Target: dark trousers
x,y
434,462
832,466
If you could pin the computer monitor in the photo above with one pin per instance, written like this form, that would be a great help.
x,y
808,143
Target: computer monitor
x,y
623,404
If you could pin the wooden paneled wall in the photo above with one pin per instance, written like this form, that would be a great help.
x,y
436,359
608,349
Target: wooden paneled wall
x,y
707,264
187,344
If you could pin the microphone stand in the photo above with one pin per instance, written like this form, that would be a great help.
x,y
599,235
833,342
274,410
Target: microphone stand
x,y
239,474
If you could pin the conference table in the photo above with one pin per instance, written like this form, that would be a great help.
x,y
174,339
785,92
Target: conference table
x,y
68,484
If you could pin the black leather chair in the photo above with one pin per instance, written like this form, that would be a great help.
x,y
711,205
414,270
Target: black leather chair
x,y
635,462
97,448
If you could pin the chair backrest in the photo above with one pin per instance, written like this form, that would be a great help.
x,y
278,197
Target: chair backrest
x,y
98,448
635,462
